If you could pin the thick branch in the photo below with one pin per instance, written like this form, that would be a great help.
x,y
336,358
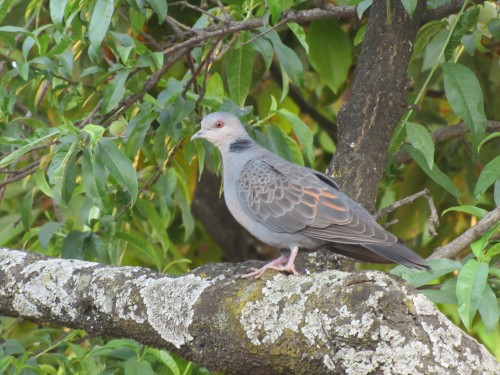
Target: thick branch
x,y
330,322
452,249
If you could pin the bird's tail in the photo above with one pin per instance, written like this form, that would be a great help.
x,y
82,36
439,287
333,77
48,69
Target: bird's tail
x,y
399,253
381,253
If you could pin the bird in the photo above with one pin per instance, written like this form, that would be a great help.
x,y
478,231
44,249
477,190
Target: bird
x,y
293,207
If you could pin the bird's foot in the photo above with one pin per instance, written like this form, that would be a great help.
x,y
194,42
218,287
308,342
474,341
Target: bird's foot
x,y
276,265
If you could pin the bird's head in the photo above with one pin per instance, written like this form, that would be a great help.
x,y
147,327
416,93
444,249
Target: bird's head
x,y
221,129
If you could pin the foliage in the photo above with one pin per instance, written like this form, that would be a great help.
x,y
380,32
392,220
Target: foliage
x,y
98,100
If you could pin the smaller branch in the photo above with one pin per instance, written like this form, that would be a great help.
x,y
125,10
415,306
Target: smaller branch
x,y
127,102
445,10
223,10
32,165
18,177
452,249
433,218
90,118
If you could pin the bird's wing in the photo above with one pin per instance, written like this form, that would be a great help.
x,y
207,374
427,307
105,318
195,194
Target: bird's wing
x,y
289,198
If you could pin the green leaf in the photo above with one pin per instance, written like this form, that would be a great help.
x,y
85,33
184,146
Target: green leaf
x,y
239,64
137,130
360,35
165,358
26,210
489,174
496,193
362,7
264,47
489,309
488,138
115,90
89,177
47,232
473,210
183,199
95,132
465,96
26,148
471,282
99,24
56,8
480,244
421,139
330,52
465,25
142,246
299,34
435,173
288,59
158,222
73,245
425,34
278,143
118,165
41,183
160,7
440,296
417,278
409,6
303,133
276,7
69,174
134,366
4,9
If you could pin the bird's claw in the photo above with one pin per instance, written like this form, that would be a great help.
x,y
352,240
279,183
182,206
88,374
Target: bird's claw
x,y
258,272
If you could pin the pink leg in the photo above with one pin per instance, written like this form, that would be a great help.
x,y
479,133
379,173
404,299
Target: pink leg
x,y
277,265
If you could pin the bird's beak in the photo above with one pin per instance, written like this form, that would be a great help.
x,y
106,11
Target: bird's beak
x,y
197,135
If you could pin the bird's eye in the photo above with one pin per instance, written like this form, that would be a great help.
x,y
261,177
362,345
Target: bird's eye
x,y
219,124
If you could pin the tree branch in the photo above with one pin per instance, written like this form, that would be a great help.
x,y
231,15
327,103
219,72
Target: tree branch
x,y
452,249
328,322
433,217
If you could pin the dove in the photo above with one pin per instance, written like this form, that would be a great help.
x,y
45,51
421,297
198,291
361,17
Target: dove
x,y
293,207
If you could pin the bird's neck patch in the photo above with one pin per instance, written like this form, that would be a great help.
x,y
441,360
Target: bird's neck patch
x,y
240,145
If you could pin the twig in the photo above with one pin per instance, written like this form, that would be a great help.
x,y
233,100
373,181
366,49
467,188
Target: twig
x,y
446,10
223,10
18,177
433,218
444,134
127,102
32,165
155,175
90,118
452,249
207,61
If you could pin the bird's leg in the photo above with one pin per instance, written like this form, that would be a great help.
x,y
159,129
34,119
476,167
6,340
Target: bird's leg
x,y
277,265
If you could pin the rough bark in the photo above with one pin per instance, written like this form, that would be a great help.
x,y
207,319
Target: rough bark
x,y
324,322
377,101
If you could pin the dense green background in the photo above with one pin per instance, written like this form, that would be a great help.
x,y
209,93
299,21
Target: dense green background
x,y
98,100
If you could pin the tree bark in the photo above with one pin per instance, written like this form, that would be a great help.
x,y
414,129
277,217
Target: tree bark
x,y
324,322
377,101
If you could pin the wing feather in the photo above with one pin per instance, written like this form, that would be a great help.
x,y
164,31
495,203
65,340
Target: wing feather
x,y
288,198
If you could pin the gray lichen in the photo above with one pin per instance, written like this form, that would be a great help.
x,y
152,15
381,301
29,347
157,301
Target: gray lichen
x,y
170,302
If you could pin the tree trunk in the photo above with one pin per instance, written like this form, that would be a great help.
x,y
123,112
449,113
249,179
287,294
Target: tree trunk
x,y
377,101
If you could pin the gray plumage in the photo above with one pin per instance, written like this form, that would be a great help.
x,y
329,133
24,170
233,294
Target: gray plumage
x,y
290,206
